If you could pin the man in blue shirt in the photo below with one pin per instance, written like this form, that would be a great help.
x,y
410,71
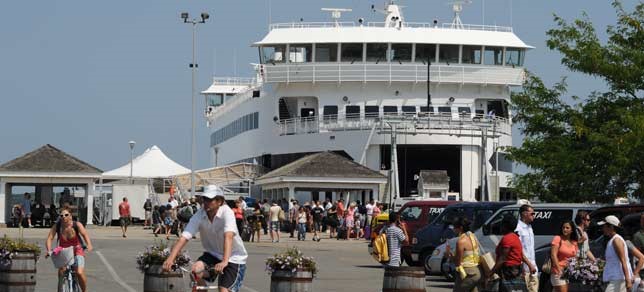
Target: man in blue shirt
x,y
26,209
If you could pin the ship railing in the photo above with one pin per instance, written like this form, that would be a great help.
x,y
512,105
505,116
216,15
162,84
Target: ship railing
x,y
478,27
392,72
416,123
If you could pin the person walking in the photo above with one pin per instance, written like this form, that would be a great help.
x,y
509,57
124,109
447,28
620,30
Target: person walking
x,y
466,257
124,216
317,214
348,219
274,212
239,216
369,208
396,236
224,250
332,218
156,221
266,210
509,256
563,247
259,218
167,220
147,208
526,235
26,210
617,271
293,215
301,223
582,220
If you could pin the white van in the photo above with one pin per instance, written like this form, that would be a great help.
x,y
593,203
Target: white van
x,y
547,221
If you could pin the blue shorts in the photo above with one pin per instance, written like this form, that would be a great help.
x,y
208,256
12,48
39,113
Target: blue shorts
x,y
79,261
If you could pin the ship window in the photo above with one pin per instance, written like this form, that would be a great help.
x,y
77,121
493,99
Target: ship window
x,y
376,52
471,54
514,56
300,53
273,54
330,112
493,56
352,112
444,110
326,52
371,111
400,53
426,110
389,110
216,99
464,111
408,109
448,53
425,52
351,52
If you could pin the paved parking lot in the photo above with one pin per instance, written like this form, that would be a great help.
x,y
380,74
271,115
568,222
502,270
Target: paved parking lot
x,y
343,265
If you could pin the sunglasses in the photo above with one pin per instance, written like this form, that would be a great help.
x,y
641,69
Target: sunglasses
x,y
64,215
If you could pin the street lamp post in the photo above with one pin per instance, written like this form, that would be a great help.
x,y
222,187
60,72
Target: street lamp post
x,y
186,19
131,143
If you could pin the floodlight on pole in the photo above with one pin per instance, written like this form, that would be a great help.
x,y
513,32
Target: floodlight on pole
x,y
186,19
131,143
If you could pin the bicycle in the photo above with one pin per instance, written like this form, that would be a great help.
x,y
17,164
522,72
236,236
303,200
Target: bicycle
x,y
194,281
65,258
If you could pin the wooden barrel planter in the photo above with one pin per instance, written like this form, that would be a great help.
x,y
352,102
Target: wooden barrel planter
x,y
404,279
20,274
155,280
288,281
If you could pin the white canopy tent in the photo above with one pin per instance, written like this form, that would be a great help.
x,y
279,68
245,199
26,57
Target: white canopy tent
x,y
153,163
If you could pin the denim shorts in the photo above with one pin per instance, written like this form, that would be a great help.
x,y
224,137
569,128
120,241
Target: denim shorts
x,y
79,261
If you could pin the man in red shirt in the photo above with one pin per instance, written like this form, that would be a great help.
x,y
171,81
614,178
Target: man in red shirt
x,y
125,216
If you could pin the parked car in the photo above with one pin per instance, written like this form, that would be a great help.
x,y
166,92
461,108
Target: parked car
x,y
438,231
417,214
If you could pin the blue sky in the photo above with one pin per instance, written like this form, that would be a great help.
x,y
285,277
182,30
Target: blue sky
x,y
88,76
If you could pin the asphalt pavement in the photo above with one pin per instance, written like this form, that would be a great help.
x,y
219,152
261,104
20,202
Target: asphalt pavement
x,y
343,265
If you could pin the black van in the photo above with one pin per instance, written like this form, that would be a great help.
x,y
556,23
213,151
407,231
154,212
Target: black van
x,y
438,231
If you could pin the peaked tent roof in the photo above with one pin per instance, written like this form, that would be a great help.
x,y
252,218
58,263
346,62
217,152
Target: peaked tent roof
x,y
324,164
434,176
48,159
153,163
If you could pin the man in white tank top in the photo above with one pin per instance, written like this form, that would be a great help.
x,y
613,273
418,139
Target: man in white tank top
x,y
617,272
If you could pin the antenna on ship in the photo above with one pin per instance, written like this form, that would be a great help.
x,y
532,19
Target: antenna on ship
x,y
336,13
457,7
393,14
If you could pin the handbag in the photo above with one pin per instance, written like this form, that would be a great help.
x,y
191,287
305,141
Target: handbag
x,y
547,265
281,216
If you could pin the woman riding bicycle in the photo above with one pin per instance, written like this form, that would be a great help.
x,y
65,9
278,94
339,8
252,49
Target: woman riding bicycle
x,y
68,232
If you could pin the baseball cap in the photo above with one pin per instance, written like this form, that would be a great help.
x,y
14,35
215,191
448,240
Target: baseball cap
x,y
211,191
612,220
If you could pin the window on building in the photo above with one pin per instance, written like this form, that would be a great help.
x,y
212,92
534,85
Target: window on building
x,y
351,52
448,54
471,54
371,111
409,109
273,54
514,56
464,111
389,110
425,52
376,52
352,112
300,53
426,110
400,53
444,110
216,99
330,112
326,52
493,56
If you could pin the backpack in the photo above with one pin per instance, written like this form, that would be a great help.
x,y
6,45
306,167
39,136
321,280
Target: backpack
x,y
59,230
380,250
185,214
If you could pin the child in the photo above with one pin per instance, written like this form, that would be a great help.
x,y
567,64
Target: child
x,y
357,227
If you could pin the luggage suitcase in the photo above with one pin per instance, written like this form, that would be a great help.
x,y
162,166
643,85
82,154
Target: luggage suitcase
x,y
342,232
246,233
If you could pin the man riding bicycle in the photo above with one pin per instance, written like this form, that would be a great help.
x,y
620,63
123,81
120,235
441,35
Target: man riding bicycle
x,y
69,234
224,249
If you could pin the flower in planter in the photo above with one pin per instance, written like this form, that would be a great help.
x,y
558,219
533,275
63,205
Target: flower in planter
x,y
10,246
292,260
584,270
156,254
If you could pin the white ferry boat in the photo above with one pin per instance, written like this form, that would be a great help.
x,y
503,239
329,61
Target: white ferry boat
x,y
350,87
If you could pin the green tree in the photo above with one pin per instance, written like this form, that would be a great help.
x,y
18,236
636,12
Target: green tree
x,y
592,149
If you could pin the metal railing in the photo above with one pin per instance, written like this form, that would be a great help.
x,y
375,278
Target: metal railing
x,y
234,81
416,123
392,72
382,24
